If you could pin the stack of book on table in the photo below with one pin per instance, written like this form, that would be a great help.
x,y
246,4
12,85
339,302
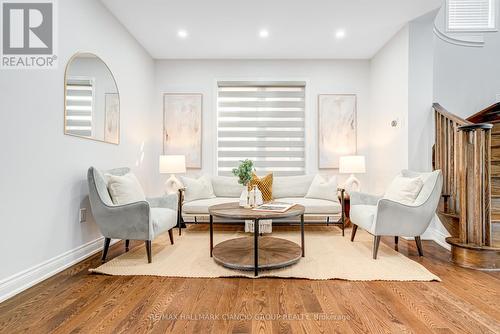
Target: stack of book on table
x,y
274,207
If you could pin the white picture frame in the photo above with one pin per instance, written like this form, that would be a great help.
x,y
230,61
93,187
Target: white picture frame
x,y
112,118
337,128
182,126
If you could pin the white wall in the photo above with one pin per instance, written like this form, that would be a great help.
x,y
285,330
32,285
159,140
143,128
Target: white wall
x,y
388,152
322,76
420,93
43,172
467,79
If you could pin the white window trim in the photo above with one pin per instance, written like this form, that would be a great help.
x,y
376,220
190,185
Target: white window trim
x,y
472,30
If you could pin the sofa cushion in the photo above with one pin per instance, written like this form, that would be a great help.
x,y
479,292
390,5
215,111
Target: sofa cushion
x,y
291,186
226,186
200,206
323,188
163,219
197,188
313,205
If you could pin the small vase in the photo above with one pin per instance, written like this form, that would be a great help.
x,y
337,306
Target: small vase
x,y
251,198
244,198
258,197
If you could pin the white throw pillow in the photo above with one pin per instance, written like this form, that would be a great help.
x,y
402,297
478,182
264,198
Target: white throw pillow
x,y
200,188
226,186
125,189
322,188
404,189
291,186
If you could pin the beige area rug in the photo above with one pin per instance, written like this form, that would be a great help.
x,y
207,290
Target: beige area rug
x,y
328,256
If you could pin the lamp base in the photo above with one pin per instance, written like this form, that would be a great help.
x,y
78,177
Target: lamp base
x,y
172,185
352,184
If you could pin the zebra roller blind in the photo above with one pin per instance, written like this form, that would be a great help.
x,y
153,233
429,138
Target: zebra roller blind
x,y
79,106
264,122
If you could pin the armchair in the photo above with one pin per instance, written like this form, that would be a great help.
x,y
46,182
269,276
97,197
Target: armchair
x,y
143,220
383,217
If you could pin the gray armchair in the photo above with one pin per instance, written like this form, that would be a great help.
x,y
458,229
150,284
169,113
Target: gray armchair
x,y
383,217
143,220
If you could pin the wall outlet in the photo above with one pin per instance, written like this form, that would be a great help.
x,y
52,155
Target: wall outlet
x,y
83,215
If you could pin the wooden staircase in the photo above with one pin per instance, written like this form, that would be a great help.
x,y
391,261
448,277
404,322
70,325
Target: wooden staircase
x,y
468,153
492,115
495,183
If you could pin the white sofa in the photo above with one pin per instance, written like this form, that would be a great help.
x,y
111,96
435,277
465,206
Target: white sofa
x,y
289,189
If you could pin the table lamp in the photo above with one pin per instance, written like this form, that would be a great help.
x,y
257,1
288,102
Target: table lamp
x,y
353,164
172,164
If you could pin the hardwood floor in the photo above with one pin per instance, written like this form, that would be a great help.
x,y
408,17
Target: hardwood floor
x,y
466,301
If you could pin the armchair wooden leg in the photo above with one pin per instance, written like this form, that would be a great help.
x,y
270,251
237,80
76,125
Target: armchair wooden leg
x,y
418,241
171,236
105,249
127,243
353,232
148,250
376,243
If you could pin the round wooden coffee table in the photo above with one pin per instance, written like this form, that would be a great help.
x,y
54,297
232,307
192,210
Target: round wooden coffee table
x,y
248,253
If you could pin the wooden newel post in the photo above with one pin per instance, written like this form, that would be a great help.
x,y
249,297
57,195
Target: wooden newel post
x,y
474,184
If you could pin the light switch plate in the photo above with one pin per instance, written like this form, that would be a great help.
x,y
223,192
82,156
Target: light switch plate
x,y
83,215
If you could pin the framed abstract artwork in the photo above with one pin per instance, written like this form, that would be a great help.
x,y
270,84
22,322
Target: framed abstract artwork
x,y
182,123
112,118
336,128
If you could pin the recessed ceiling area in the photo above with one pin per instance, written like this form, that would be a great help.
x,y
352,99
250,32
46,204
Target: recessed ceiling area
x,y
266,29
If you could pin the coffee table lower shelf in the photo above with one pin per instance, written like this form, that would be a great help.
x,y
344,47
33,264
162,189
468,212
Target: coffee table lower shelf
x,y
273,253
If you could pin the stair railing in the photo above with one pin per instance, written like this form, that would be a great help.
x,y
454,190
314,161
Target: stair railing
x,y
446,155
474,160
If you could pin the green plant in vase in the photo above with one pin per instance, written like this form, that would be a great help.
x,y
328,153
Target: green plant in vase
x,y
244,174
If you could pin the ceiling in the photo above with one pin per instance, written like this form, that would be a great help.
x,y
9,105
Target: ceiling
x,y
298,29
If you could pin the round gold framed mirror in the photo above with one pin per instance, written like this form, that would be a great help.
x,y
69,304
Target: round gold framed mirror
x,y
91,99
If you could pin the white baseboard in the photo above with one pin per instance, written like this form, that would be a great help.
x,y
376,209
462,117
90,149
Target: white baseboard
x,y
21,281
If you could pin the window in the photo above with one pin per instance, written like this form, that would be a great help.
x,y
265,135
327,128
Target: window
x,y
264,122
471,15
79,106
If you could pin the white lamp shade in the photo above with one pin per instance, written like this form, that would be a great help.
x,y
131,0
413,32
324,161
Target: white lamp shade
x,y
352,164
172,164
